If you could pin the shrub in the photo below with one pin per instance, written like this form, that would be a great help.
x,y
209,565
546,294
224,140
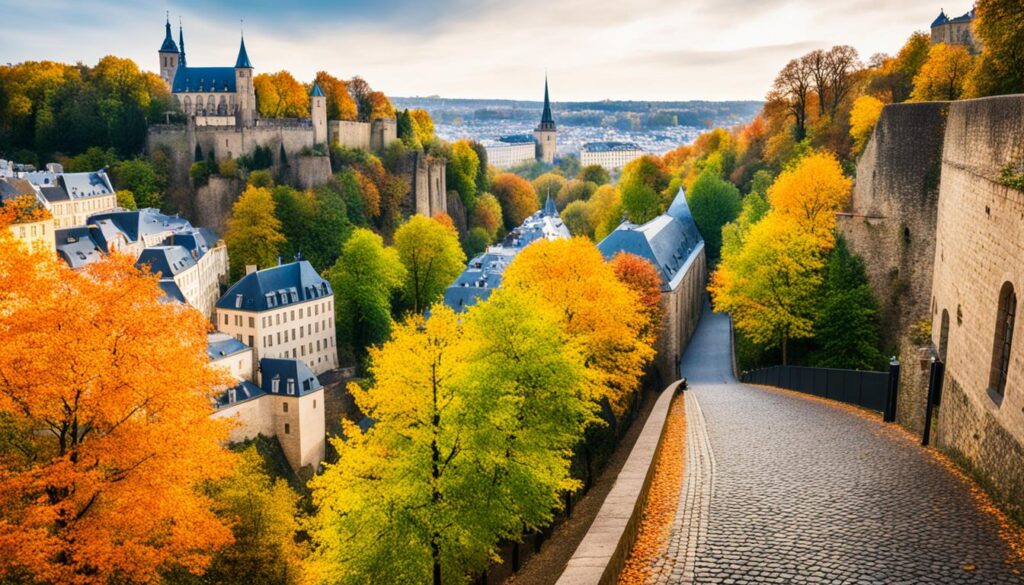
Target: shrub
x,y
199,172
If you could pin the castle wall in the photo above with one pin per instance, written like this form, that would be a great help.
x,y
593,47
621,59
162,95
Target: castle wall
x,y
349,134
309,172
383,131
891,223
980,246
682,306
212,203
176,141
428,190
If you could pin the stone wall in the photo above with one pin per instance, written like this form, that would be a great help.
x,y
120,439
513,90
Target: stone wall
x,y
980,248
891,220
682,306
383,131
349,134
309,172
212,203
428,191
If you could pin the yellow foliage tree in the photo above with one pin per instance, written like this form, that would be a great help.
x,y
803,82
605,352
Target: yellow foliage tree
x,y
863,117
253,233
105,433
602,315
340,105
943,77
810,194
279,95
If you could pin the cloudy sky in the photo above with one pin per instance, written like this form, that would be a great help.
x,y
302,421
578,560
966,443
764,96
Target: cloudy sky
x,y
592,49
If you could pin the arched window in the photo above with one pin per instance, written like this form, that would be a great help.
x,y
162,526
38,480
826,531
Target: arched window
x,y
222,107
1003,340
211,106
944,335
187,105
199,105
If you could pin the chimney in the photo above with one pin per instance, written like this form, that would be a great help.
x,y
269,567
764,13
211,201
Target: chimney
x,y
249,269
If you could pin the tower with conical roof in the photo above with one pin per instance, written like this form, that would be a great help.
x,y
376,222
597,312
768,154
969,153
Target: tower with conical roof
x,y
318,114
168,55
546,133
244,88
181,46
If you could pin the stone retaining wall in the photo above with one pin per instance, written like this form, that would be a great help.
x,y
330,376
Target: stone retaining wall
x,y
602,554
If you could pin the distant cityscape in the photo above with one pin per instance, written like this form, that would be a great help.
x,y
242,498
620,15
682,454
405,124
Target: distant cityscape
x,y
655,127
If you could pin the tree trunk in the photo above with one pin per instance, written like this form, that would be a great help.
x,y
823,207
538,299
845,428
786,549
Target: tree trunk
x,y
435,552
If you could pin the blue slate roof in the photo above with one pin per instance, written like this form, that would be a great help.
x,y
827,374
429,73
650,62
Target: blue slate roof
x,y
610,146
287,376
172,293
940,19
134,224
168,46
221,345
205,79
244,390
270,288
316,91
76,246
667,241
517,139
243,57
167,261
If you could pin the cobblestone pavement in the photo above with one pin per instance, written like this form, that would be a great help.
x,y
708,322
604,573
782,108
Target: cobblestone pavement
x,y
783,489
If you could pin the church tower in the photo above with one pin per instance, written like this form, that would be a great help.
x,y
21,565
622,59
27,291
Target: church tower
x,y
168,56
546,134
318,113
244,89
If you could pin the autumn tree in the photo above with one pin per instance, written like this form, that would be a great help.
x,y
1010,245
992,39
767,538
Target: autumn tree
x,y
365,278
340,105
642,186
100,483
432,258
314,223
713,202
810,194
253,234
604,211
893,77
517,198
792,88
577,218
645,281
574,190
999,25
548,184
486,214
601,314
279,95
863,117
461,171
943,77
423,125
594,174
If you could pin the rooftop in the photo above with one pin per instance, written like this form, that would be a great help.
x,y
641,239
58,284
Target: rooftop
x,y
270,288
205,79
287,376
221,345
610,146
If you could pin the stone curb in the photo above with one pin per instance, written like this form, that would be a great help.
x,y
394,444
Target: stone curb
x,y
602,553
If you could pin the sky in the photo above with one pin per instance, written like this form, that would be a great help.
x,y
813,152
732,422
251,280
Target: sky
x,y
591,49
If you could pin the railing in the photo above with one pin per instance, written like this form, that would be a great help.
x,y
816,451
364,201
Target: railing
x,y
862,388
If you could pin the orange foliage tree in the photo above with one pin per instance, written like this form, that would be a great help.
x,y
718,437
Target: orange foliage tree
x,y
105,432
602,315
643,278
810,194
340,105
279,95
517,198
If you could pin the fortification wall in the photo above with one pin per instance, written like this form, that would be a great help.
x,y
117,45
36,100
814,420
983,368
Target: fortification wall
x,y
349,134
891,219
682,306
175,140
383,131
980,248
309,172
428,191
212,203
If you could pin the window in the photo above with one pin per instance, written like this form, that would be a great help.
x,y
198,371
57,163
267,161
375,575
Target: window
x,y
238,301
287,429
285,407
1002,342
291,386
238,320
251,341
225,319
944,335
275,385
314,404
252,321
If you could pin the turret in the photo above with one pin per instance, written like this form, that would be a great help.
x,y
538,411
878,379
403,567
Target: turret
x,y
318,114
244,88
546,133
168,56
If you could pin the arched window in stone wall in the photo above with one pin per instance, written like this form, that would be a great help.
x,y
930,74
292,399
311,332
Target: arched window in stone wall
x,y
222,107
944,335
211,106
200,108
1005,317
186,106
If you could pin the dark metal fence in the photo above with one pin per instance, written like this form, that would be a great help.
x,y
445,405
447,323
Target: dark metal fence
x,y
866,389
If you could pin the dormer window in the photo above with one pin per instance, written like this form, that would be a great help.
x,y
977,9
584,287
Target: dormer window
x,y
232,395
275,385
291,386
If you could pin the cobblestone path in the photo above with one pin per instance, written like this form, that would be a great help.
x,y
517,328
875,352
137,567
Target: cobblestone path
x,y
783,489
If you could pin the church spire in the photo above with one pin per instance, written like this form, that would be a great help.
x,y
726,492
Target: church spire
x,y
168,46
181,45
243,57
545,118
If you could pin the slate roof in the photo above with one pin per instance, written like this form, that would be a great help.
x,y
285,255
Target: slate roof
x,y
940,19
221,345
284,371
205,79
168,46
316,91
517,139
167,261
243,57
76,246
172,292
68,186
135,224
609,146
546,121
667,241
270,288
244,390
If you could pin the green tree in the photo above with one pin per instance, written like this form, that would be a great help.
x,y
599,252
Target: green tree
x,y
364,279
138,176
595,174
126,199
253,233
641,185
577,218
517,198
548,184
486,215
714,202
846,328
462,171
475,241
314,223
433,259
574,190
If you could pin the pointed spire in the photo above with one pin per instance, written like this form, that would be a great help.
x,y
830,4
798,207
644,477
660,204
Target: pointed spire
x,y
550,209
181,44
168,46
545,117
243,57
316,91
